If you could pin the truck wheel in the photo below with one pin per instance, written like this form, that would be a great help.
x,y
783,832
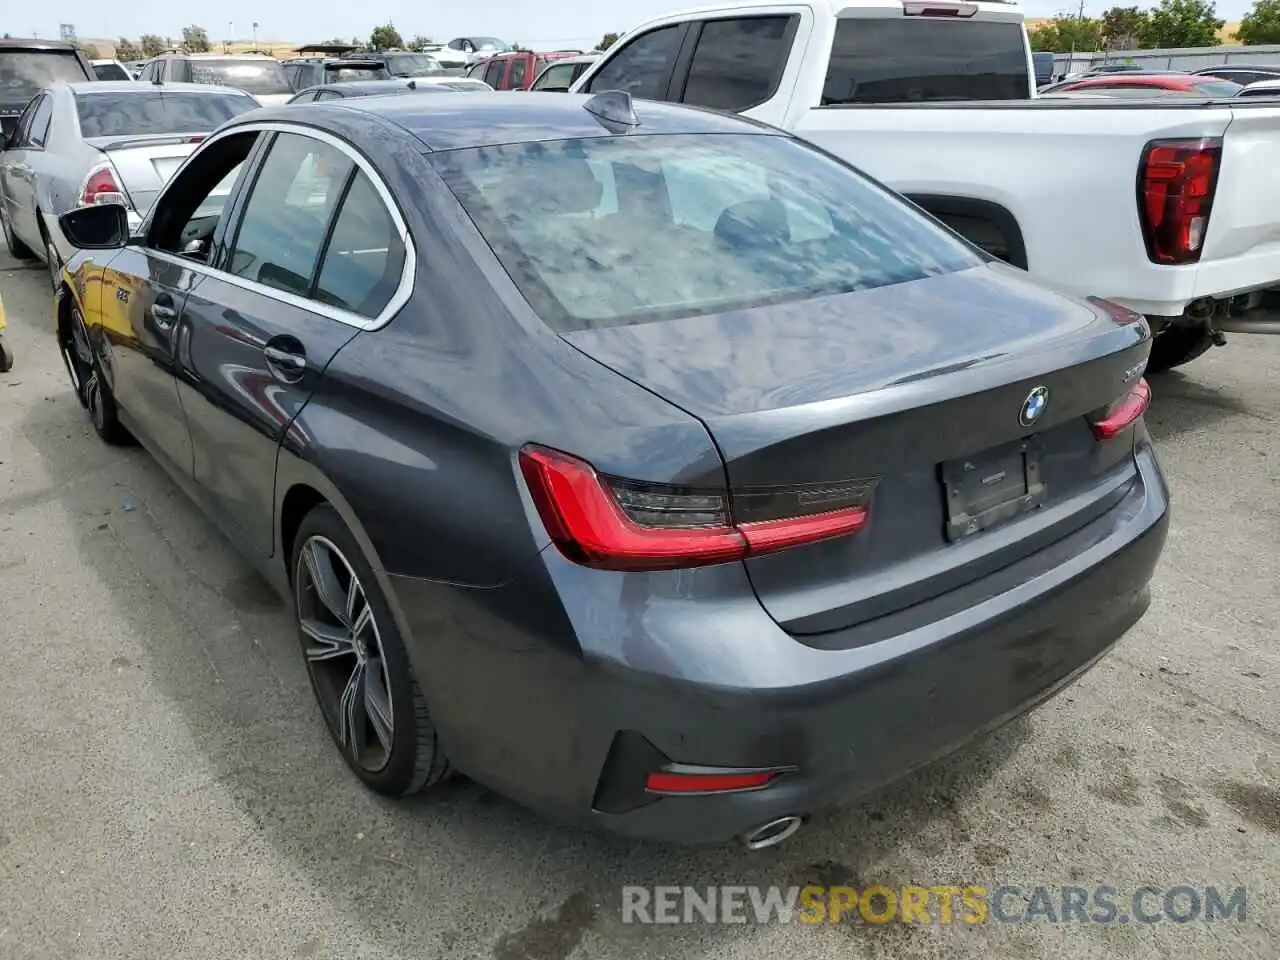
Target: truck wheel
x,y
1175,345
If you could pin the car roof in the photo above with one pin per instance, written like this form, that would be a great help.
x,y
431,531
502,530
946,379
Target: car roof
x,y
489,119
1258,67
1264,85
213,55
34,43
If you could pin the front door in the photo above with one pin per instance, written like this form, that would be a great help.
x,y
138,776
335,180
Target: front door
x,y
145,290
281,302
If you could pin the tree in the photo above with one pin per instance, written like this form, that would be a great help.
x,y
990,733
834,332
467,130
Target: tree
x,y
126,49
152,45
196,39
1182,23
1064,34
1122,28
1261,24
607,41
418,43
385,37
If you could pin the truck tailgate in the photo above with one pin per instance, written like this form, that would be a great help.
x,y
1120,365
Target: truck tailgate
x,y
1242,245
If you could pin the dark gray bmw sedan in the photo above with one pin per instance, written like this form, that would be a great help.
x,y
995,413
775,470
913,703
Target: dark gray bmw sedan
x,y
646,464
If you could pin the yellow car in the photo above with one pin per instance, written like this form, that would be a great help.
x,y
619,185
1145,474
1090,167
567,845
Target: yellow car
x,y
6,355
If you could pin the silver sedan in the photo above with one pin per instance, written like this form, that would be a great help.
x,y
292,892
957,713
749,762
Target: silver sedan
x,y
106,142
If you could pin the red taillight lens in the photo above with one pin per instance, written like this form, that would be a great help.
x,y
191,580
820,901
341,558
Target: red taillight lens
x,y
1176,183
101,187
1120,314
617,524
1124,413
671,781
935,9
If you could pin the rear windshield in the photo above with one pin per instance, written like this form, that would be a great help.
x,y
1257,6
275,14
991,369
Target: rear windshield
x,y
411,64
912,60
111,71
607,232
154,112
24,73
252,76
341,72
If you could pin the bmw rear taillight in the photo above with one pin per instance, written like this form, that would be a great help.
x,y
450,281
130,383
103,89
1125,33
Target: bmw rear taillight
x,y
1176,183
1124,413
101,186
616,524
1116,311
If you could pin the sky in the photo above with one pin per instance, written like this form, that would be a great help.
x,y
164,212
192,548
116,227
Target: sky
x,y
545,24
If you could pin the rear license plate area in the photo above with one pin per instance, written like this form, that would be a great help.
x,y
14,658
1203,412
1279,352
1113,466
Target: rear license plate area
x,y
991,488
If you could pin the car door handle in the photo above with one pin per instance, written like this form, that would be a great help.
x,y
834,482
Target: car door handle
x,y
284,360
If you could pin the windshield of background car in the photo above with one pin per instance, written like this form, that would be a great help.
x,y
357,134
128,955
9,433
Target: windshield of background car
x,y
613,231
1218,88
341,73
411,64
252,76
111,71
24,73
489,45
147,112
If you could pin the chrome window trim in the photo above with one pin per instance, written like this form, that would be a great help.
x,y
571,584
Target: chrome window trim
x,y
408,272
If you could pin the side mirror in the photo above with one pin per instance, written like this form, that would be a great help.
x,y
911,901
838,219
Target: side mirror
x,y
103,226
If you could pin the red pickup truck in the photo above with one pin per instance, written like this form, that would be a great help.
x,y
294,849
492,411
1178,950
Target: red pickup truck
x,y
515,70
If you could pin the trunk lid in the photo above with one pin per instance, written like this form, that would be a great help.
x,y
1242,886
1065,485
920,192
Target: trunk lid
x,y
906,386
145,164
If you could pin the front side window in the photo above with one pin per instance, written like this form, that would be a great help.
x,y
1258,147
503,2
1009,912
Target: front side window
x,y
518,70
493,73
643,67
558,76
282,229
612,231
920,59
156,111
186,217
738,63
252,76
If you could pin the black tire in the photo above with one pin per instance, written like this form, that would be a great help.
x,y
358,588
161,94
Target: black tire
x,y
91,388
1175,345
53,261
18,249
6,357
416,758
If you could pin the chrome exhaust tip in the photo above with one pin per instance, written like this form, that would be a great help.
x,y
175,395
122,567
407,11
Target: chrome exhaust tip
x,y
772,833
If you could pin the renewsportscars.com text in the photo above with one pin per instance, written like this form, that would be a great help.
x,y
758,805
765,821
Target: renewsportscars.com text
x,y
942,904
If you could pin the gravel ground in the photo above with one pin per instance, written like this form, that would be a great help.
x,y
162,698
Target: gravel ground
x,y
168,790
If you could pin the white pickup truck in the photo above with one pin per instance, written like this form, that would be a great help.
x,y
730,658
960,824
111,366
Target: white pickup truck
x,y
1170,207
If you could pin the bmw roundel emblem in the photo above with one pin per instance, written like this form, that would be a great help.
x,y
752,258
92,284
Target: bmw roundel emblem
x,y
1033,406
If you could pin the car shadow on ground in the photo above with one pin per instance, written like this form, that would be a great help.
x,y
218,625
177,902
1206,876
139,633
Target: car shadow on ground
x,y
1180,404
458,871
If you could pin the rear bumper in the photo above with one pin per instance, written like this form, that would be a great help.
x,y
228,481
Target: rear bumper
x,y
555,727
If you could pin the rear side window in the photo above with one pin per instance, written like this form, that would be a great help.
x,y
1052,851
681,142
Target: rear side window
x,y
738,63
643,67
39,132
24,73
614,231
916,59
147,112
365,256
283,227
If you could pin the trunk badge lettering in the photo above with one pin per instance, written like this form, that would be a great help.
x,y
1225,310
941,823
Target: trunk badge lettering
x,y
1032,407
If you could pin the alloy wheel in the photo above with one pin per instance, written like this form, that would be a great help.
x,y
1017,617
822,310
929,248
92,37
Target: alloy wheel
x,y
344,653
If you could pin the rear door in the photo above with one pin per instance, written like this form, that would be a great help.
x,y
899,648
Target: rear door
x,y
316,255
14,166
25,173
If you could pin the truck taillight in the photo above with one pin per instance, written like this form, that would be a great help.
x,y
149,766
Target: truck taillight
x,y
1176,183
912,8
102,187
615,524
